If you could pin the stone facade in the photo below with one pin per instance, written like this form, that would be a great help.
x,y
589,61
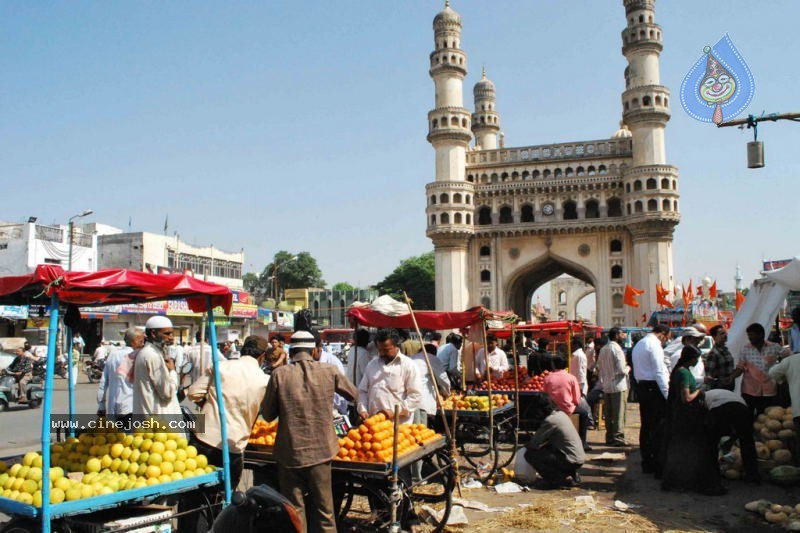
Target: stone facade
x,y
505,221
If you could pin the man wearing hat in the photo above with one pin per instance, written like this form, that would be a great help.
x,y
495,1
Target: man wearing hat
x,y
155,381
301,395
243,387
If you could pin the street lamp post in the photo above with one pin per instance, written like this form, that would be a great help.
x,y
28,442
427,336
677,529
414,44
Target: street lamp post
x,y
70,228
275,268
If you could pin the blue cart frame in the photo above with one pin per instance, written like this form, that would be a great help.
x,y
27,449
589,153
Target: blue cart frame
x,y
49,512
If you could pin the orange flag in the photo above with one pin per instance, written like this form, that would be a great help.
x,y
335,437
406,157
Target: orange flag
x,y
687,296
661,296
739,299
712,292
630,296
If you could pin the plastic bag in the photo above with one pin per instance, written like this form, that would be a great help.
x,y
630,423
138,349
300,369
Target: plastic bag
x,y
523,471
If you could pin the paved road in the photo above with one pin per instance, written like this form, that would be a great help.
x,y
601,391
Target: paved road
x,y
22,427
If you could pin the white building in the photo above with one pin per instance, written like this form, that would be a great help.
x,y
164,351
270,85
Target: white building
x,y
24,246
151,252
506,220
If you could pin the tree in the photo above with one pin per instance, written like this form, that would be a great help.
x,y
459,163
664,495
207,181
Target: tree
x,y
415,276
343,286
291,271
252,284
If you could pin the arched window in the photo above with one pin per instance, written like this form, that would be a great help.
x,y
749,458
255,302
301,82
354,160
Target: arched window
x,y
506,215
652,184
637,185
457,218
495,178
433,199
616,272
435,123
627,187
568,172
602,170
471,178
591,171
638,207
652,205
504,176
616,246
536,174
562,297
557,174
444,218
526,175
570,210
646,100
486,302
469,218
629,208
467,199
580,171
454,121
527,213
464,123
664,183
433,220
484,216
666,205
614,207
444,198
616,301
457,198
485,251
592,209
486,276
546,173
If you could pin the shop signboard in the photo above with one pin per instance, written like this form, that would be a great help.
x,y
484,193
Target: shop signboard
x,y
14,312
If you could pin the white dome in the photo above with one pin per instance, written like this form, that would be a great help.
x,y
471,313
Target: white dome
x,y
446,16
623,132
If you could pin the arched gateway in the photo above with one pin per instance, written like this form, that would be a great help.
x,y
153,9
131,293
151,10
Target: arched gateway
x,y
504,221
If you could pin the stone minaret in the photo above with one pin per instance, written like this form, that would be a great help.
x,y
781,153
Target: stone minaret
x,y
651,186
450,197
485,119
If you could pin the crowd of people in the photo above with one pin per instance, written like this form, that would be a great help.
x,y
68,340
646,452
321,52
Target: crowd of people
x,y
686,398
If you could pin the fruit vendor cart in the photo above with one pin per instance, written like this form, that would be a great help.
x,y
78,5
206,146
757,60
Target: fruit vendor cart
x,y
56,289
477,435
480,442
372,496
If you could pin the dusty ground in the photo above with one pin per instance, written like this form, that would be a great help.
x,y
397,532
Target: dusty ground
x,y
652,509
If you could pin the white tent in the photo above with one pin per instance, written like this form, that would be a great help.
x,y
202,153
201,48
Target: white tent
x,y
763,302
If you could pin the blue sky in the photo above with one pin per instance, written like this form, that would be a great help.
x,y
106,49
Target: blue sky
x,y
301,125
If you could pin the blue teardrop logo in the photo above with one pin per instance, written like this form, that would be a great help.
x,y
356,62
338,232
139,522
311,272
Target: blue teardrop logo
x,y
719,86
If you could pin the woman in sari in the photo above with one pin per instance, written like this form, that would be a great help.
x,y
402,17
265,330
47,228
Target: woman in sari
x,y
689,454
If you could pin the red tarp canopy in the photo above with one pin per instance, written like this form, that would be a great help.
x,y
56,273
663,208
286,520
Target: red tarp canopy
x,y
557,326
434,320
111,286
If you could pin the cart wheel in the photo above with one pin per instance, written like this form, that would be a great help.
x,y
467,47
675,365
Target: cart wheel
x,y
507,439
361,506
474,447
33,404
438,471
22,525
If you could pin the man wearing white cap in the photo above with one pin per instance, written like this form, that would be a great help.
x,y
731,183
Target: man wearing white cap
x,y
155,381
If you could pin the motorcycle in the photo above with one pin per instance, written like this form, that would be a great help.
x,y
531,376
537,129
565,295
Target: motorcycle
x,y
262,508
9,391
94,369
61,368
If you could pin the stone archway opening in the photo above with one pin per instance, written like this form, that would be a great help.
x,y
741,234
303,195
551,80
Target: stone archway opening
x,y
531,288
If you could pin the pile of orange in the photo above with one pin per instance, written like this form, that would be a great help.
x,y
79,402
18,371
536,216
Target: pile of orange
x,y
372,441
264,432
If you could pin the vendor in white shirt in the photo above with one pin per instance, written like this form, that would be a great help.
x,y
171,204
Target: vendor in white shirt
x,y
498,360
390,380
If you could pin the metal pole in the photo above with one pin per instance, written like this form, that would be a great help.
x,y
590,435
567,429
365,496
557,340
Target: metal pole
x,y
70,372
396,496
46,410
488,388
226,460
70,227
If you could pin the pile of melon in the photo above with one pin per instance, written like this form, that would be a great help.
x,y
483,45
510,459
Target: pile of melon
x,y
773,430
784,515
